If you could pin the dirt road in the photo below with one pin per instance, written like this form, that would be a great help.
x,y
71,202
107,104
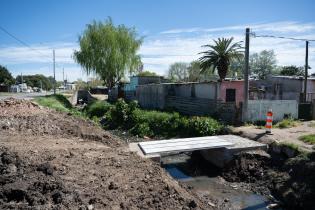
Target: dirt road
x,y
286,135
50,160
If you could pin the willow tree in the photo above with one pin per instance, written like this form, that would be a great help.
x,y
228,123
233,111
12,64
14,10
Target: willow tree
x,y
108,51
219,56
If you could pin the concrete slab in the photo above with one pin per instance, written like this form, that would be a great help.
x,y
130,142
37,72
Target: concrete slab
x,y
217,156
183,145
220,157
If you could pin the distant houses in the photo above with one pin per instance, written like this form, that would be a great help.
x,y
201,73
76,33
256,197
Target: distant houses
x,y
223,99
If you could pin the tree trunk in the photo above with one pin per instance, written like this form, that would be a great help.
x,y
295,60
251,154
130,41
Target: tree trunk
x,y
222,69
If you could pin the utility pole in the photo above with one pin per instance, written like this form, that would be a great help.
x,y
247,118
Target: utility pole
x,y
54,73
306,71
246,73
63,78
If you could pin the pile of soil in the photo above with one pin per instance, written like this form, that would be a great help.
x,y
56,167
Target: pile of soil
x,y
27,118
50,160
289,180
11,107
24,186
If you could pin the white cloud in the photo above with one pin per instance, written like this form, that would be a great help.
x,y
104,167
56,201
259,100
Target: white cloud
x,y
161,50
184,44
285,26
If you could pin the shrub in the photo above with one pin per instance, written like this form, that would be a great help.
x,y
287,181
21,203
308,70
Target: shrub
x,y
156,123
203,126
97,108
120,115
141,129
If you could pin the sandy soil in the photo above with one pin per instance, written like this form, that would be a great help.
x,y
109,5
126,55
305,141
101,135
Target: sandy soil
x,y
289,135
50,160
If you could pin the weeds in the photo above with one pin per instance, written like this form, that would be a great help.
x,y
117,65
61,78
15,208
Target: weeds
x,y
156,123
57,102
310,138
287,123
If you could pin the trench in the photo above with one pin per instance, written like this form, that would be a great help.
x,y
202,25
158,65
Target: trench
x,y
193,171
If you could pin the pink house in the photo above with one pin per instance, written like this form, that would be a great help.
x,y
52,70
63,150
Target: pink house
x,y
232,91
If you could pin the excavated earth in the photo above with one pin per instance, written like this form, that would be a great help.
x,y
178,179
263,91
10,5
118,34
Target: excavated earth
x,y
51,160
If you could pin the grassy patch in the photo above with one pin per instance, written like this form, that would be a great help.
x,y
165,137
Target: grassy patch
x,y
97,108
291,146
57,102
287,123
310,138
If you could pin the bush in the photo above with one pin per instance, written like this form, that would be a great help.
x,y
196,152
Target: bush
x,y
141,129
97,108
156,123
203,126
120,115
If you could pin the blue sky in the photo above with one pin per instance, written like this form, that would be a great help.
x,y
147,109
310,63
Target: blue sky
x,y
173,30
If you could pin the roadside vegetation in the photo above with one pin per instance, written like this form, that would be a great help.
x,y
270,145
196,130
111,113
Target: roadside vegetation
x,y
287,123
60,103
310,138
139,122
156,123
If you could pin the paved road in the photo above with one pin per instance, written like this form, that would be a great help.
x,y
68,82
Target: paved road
x,y
22,95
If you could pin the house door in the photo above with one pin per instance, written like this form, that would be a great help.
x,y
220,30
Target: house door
x,y
230,95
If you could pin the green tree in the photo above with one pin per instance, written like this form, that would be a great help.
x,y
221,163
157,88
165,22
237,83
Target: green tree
x,y
194,73
263,63
178,72
220,55
108,51
236,68
147,74
5,76
37,80
292,71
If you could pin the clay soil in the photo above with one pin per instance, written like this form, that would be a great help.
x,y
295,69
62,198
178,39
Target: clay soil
x,y
51,160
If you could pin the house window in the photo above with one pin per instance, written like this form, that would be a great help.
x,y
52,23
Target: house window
x,y
230,95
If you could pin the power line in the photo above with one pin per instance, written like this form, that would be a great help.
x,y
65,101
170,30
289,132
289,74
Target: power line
x,y
281,37
22,42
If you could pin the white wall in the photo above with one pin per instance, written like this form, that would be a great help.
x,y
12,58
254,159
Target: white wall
x,y
257,109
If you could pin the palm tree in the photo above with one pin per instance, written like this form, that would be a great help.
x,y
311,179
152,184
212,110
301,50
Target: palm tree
x,y
220,55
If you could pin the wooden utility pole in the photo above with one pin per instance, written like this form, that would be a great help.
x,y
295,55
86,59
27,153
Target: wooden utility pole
x,y
306,71
54,73
246,73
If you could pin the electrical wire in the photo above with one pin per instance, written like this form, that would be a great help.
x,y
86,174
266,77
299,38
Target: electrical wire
x,y
281,37
24,43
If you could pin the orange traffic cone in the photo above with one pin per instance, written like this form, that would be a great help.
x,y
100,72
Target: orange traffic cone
x,y
269,121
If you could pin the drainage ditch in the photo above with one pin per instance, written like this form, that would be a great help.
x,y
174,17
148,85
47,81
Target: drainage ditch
x,y
253,180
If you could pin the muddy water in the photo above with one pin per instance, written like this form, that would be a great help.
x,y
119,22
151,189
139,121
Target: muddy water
x,y
214,186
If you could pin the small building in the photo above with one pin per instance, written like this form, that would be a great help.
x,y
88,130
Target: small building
x,y
281,88
130,88
232,91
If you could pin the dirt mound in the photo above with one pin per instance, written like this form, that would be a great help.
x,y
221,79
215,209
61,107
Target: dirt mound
x,y
22,116
63,162
289,180
13,107
24,187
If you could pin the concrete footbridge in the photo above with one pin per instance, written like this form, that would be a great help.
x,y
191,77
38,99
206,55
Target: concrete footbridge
x,y
216,149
